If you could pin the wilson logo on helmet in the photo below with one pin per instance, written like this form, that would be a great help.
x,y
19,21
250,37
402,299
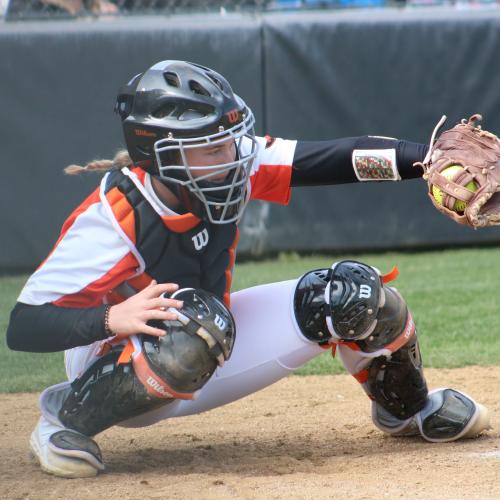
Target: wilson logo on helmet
x,y
232,116
144,133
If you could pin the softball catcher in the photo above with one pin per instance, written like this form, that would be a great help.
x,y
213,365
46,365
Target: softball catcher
x,y
137,290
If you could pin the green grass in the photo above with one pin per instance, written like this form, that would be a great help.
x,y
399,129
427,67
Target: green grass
x,y
454,296
22,371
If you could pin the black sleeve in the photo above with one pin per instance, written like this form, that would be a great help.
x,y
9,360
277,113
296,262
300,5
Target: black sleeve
x,y
48,328
330,162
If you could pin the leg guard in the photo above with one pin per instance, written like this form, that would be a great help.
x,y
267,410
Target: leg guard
x,y
162,369
130,380
106,394
397,382
350,306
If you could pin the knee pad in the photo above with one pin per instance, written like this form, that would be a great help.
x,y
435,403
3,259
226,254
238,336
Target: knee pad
x,y
152,371
351,306
342,304
310,306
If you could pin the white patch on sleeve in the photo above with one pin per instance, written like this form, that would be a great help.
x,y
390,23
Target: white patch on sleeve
x,y
279,153
375,165
89,250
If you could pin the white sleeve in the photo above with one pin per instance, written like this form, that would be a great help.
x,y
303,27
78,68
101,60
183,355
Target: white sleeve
x,y
272,170
87,260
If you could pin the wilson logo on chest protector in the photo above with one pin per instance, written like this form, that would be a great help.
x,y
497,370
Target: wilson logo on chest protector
x,y
200,239
365,292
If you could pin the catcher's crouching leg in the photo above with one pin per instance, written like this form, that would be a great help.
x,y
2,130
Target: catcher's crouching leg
x,y
350,306
129,381
402,405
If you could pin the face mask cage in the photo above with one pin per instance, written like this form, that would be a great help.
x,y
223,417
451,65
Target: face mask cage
x,y
224,200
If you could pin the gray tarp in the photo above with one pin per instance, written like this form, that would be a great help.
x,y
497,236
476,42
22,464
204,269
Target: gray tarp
x,y
309,76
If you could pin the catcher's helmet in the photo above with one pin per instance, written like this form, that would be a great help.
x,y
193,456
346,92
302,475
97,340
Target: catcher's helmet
x,y
176,106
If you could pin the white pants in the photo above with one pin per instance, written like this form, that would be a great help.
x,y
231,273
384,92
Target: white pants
x,y
268,346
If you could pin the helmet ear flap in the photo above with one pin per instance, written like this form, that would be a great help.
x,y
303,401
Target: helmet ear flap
x,y
125,98
123,105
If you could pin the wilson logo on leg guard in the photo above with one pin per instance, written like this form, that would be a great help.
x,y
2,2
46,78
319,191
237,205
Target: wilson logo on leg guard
x,y
219,322
158,387
410,327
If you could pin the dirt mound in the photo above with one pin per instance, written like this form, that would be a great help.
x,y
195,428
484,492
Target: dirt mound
x,y
304,437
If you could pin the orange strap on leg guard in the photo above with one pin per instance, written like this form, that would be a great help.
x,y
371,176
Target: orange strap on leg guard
x,y
390,276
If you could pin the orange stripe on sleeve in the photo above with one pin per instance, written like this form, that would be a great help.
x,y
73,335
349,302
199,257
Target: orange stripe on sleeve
x,y
92,294
138,283
272,183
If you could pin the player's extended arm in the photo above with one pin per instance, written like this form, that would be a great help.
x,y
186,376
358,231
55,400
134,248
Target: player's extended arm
x,y
354,159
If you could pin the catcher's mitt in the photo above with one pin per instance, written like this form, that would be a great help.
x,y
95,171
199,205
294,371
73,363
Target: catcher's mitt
x,y
477,151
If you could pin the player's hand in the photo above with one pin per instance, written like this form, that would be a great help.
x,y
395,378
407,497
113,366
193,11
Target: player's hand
x,y
130,317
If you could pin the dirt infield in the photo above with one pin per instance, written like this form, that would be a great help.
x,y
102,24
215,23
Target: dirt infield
x,y
305,437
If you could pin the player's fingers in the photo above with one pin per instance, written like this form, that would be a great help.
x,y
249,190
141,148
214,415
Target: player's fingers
x,y
163,303
161,315
146,291
151,330
157,289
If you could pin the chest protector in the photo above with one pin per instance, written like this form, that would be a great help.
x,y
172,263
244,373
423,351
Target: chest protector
x,y
176,249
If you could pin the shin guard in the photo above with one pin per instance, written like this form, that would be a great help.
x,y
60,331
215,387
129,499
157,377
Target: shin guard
x,y
350,307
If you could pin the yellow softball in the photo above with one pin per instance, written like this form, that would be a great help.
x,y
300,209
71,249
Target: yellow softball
x,y
450,173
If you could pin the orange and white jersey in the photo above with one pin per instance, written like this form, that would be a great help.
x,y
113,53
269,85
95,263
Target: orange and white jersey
x,y
272,171
93,255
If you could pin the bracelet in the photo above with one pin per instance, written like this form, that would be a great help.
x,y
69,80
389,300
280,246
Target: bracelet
x,y
107,329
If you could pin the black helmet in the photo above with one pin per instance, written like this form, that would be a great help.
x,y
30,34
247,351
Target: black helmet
x,y
176,106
